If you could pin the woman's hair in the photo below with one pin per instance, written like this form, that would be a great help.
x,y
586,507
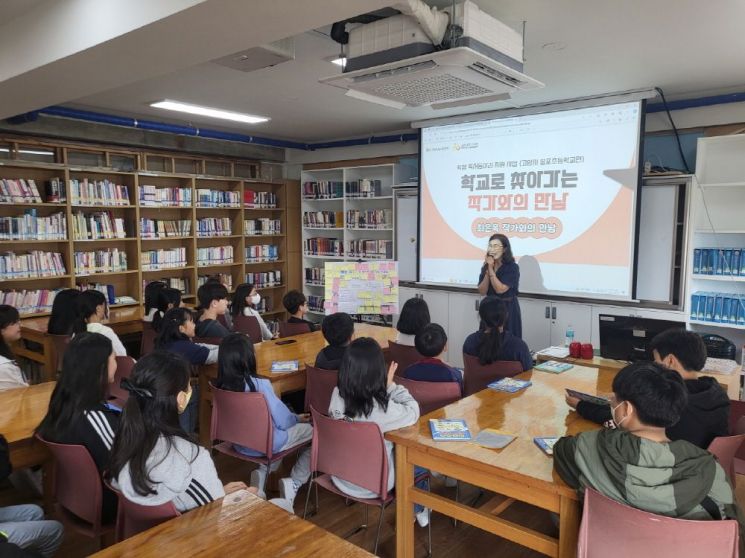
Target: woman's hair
x,y
151,293
507,256
64,309
493,314
82,384
414,316
85,307
168,328
363,378
165,297
236,363
8,316
151,412
239,298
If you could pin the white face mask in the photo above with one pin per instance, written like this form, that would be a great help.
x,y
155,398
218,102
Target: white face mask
x,y
618,423
255,299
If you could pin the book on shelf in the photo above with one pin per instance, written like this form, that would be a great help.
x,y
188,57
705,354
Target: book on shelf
x,y
259,200
449,430
225,278
364,188
716,307
262,226
257,253
264,279
323,190
111,260
217,198
19,191
719,261
509,385
166,258
370,249
546,443
170,197
214,255
315,303
56,190
319,246
214,226
30,301
183,284
97,192
315,275
284,366
33,264
163,228
106,290
97,226
374,219
323,219
553,366
30,226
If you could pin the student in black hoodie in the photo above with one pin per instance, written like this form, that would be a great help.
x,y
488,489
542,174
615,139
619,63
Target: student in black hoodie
x,y
706,415
337,330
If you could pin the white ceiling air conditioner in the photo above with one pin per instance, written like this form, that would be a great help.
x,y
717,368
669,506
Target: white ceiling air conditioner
x,y
485,63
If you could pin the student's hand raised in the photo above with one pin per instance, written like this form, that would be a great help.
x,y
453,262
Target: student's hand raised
x,y
392,372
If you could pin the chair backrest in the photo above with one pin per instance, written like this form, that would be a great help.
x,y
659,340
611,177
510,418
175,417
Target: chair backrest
x,y
248,325
403,355
736,412
77,483
132,518
147,343
287,329
477,376
352,451
59,344
431,395
319,385
124,366
613,530
725,448
241,418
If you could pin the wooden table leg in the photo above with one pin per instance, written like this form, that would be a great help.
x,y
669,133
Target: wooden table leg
x,y
404,505
569,516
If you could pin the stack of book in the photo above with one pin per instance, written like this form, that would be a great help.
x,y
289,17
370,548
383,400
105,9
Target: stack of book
x,y
262,253
315,276
167,258
183,284
32,264
724,308
315,303
225,278
217,198
106,290
265,279
168,197
158,228
95,226
364,188
262,226
380,219
323,219
19,191
214,226
323,247
97,192
30,226
214,255
323,190
30,302
111,260
259,200
370,249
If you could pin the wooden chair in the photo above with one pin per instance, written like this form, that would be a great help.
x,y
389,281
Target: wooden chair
x,y
404,355
431,395
124,366
477,376
132,518
287,329
147,343
248,325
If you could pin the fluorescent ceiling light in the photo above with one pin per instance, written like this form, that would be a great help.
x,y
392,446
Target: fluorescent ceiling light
x,y
340,61
211,112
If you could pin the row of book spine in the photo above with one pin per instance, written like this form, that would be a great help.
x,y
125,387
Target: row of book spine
x,y
36,263
217,198
19,191
213,255
97,192
183,284
315,275
369,219
30,226
262,253
164,228
323,246
727,308
112,260
225,278
323,219
323,190
262,226
214,226
30,301
170,197
263,200
105,289
263,279
364,188
315,303
165,258
372,249
719,261
95,226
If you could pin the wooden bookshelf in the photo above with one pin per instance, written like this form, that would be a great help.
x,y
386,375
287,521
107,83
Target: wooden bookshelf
x,y
47,160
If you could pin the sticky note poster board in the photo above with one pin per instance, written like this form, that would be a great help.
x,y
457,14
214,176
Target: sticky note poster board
x,y
361,287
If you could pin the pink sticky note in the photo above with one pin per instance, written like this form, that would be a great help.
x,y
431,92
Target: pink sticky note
x,y
335,283
371,276
386,290
394,281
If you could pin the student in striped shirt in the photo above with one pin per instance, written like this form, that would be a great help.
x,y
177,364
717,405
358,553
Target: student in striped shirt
x,y
78,412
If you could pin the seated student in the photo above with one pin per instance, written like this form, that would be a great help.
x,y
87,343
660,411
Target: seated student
x,y
414,316
367,393
297,305
10,332
151,299
175,334
337,330
491,342
706,414
92,310
244,303
24,525
213,302
236,371
431,342
153,461
63,313
78,412
637,464
166,299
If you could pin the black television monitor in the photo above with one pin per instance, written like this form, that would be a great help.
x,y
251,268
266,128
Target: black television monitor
x,y
628,337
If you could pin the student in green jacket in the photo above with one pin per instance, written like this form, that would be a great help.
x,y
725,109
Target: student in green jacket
x,y
636,464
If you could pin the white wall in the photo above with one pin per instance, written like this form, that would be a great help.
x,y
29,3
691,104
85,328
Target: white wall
x,y
700,117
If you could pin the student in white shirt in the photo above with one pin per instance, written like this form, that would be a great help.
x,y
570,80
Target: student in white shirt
x,y
151,299
414,316
244,302
10,332
92,310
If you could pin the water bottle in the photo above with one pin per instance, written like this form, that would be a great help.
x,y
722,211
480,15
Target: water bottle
x,y
569,339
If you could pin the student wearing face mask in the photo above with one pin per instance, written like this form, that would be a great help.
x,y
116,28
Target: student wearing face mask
x,y
500,277
637,464
245,300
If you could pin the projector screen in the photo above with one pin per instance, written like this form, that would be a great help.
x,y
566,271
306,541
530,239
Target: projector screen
x,y
562,186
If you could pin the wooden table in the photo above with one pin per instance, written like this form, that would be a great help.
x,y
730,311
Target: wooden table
x,y
122,320
520,471
730,382
240,524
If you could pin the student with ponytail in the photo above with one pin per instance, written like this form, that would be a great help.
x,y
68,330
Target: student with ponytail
x,y
175,333
10,332
166,299
491,342
91,310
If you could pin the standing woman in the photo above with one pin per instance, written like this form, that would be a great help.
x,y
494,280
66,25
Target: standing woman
x,y
500,277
